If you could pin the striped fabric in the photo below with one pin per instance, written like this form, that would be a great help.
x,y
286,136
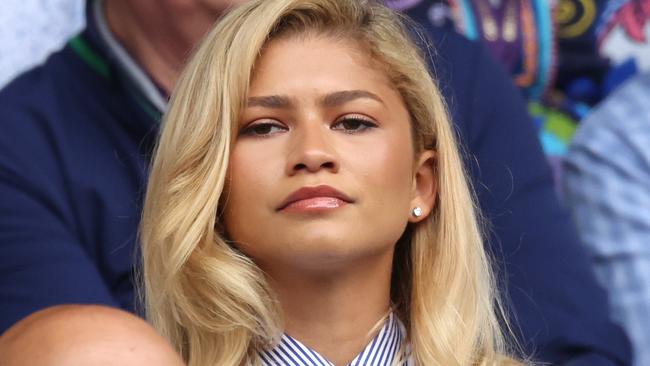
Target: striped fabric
x,y
607,186
383,350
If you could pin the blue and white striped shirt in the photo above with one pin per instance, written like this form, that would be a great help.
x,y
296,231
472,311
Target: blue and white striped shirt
x,y
383,350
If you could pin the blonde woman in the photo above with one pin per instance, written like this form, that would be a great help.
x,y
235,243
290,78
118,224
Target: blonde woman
x,y
307,204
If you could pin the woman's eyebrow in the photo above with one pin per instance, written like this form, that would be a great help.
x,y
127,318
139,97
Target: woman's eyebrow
x,y
328,100
341,97
270,101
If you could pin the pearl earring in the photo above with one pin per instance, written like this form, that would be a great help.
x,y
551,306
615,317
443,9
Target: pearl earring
x,y
417,211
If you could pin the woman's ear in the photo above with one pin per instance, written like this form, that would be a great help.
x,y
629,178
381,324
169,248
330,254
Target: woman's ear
x,y
425,186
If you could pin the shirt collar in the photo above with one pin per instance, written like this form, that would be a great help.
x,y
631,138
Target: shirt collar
x,y
127,64
383,350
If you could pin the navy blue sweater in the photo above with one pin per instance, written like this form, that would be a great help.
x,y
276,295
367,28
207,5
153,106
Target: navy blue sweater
x,y
75,143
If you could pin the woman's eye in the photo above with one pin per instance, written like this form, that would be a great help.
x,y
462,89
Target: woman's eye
x,y
263,129
353,124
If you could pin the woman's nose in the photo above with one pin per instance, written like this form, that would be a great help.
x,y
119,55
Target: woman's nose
x,y
312,149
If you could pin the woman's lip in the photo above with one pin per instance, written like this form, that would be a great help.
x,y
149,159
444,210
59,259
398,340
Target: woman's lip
x,y
315,198
314,204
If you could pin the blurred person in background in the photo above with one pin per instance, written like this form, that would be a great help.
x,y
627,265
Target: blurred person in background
x,y
607,186
78,133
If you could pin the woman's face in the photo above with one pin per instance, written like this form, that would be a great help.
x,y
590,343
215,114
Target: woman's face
x,y
322,171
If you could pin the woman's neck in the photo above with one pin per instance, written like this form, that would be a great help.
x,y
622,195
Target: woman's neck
x,y
336,314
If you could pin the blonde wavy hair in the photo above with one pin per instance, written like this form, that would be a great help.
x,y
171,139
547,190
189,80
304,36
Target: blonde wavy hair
x,y
212,302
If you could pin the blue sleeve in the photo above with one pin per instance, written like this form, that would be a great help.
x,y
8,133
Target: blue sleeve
x,y
43,262
559,312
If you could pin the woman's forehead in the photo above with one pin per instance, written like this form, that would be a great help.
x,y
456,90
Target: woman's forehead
x,y
317,61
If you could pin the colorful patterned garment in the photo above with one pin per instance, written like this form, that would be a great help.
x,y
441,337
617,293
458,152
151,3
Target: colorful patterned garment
x,y
602,43
519,33
607,177
564,58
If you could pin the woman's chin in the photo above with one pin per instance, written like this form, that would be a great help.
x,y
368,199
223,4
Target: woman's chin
x,y
323,254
